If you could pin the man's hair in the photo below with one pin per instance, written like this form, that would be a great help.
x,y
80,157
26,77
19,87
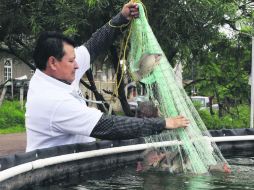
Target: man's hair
x,y
49,43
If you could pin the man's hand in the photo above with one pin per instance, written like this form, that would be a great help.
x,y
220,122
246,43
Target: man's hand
x,y
176,122
130,11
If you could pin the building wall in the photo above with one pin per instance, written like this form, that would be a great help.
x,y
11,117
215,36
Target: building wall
x,y
18,67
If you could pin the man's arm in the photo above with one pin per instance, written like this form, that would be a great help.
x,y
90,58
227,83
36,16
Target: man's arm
x,y
104,37
121,127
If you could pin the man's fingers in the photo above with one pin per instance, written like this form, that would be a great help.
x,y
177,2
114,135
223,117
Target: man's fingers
x,y
177,122
134,11
132,5
179,117
130,10
182,118
185,122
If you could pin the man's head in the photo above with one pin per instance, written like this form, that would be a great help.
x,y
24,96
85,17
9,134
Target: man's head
x,y
54,55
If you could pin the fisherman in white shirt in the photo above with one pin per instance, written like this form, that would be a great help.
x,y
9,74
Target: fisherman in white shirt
x,y
56,112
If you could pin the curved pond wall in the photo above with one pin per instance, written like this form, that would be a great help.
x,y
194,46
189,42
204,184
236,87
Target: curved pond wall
x,y
53,164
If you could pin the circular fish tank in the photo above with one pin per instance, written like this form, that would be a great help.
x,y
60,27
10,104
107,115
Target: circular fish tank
x,y
112,165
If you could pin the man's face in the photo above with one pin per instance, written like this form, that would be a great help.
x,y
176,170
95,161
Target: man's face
x,y
65,69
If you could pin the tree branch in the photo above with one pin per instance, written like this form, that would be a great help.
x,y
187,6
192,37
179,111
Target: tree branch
x,y
195,81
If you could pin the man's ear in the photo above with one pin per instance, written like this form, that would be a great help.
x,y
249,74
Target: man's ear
x,y
52,62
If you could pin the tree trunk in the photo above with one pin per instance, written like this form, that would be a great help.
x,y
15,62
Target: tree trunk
x,y
97,95
3,94
218,100
211,105
121,92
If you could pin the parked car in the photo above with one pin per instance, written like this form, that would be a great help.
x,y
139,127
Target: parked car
x,y
204,102
135,101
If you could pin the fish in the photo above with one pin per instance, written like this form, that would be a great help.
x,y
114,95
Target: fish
x,y
146,65
155,160
150,160
220,167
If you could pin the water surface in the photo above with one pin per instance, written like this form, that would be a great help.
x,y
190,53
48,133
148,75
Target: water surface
x,y
128,179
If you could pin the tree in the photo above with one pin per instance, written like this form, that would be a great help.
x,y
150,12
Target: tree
x,y
18,36
224,63
186,30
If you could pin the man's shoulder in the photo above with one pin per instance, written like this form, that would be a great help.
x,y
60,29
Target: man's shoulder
x,y
48,87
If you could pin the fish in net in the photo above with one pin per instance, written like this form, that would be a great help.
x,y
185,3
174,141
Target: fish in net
x,y
149,65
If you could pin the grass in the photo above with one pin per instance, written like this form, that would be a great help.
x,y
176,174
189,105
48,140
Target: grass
x,y
17,129
12,118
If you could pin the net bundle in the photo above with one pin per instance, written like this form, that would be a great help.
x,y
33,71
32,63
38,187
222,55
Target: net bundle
x,y
196,152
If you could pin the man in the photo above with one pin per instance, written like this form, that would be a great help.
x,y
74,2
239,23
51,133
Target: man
x,y
56,113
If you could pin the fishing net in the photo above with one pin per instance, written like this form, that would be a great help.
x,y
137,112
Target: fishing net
x,y
196,152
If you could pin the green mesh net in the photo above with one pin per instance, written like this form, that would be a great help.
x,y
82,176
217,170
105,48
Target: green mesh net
x,y
172,100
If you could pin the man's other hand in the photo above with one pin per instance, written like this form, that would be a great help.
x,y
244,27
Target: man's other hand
x,y
130,10
176,122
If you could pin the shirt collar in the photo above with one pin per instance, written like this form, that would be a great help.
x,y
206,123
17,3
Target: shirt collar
x,y
54,81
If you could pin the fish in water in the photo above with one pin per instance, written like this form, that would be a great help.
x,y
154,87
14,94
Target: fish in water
x,y
146,65
220,167
154,160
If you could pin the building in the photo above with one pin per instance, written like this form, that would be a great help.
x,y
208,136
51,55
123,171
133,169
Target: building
x,y
11,68
14,77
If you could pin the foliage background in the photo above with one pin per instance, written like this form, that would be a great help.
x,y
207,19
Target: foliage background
x,y
189,31
239,118
12,117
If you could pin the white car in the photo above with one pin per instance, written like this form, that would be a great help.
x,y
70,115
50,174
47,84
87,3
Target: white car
x,y
204,102
134,102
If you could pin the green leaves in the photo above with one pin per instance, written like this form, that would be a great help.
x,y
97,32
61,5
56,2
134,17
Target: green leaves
x,y
70,31
237,118
11,115
91,3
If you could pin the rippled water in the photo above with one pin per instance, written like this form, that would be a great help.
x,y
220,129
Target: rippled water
x,y
127,179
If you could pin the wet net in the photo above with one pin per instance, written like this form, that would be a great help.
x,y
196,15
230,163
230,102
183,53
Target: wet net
x,y
196,152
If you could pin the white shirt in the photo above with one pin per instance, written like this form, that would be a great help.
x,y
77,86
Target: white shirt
x,y
56,113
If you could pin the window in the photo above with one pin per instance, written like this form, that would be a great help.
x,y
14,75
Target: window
x,y
7,69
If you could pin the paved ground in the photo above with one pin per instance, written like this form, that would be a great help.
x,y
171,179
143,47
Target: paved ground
x,y
12,143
